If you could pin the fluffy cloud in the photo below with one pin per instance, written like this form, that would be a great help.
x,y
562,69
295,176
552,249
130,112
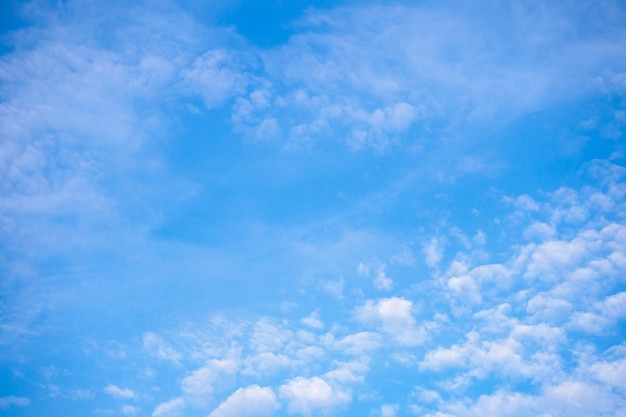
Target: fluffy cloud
x,y
248,402
307,395
389,410
123,393
171,408
198,386
506,357
313,320
604,314
216,76
395,317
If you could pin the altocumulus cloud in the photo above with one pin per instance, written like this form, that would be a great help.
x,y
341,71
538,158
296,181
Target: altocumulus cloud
x,y
364,209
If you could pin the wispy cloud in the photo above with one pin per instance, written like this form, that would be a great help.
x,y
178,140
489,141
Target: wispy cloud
x,y
392,208
13,401
121,393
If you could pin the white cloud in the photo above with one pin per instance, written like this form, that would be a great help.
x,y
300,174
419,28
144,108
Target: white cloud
x,y
359,343
313,321
268,129
171,408
540,231
395,317
465,288
269,337
610,372
509,356
549,260
248,402
582,399
564,399
389,410
198,386
121,393
433,252
156,346
334,288
130,410
265,363
426,395
308,395
380,278
604,314
347,372
525,202
382,281
549,308
6,402
216,77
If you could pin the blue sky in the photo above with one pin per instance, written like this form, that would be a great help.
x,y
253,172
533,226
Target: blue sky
x,y
291,208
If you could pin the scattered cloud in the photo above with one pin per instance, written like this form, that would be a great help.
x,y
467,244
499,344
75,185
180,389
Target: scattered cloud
x,y
308,395
130,410
250,401
156,346
166,168
171,408
395,317
120,393
13,401
198,386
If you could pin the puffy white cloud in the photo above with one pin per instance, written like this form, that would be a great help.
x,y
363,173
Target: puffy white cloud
x,y
171,408
124,393
564,399
464,287
498,404
348,372
540,231
582,399
265,363
551,260
395,317
610,372
248,402
198,386
313,320
525,202
510,356
604,314
307,395
548,308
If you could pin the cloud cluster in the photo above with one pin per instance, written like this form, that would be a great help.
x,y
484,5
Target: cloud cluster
x,y
147,156
509,318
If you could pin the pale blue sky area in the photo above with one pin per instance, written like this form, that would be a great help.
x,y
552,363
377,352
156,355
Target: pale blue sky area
x,y
291,208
